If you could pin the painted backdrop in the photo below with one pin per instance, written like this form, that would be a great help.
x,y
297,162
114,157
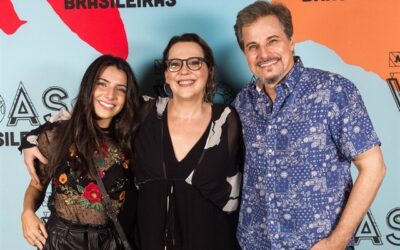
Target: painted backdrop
x,y
45,46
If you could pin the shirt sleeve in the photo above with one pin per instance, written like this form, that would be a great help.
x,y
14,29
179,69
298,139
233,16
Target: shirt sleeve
x,y
224,187
43,142
30,139
350,124
235,161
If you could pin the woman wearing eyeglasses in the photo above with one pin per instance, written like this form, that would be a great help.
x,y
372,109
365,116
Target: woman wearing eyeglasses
x,y
187,157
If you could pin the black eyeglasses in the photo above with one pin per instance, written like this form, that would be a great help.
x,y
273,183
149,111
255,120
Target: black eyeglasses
x,y
193,63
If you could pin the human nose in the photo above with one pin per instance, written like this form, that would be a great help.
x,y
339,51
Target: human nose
x,y
185,68
263,51
110,93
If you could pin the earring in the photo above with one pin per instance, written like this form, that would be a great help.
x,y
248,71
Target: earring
x,y
167,90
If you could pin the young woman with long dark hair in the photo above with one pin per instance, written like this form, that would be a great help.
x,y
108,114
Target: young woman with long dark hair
x,y
96,140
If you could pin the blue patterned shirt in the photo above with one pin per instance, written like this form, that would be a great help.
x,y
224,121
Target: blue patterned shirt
x,y
298,154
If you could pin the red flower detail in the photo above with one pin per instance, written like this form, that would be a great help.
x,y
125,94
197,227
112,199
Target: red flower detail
x,y
101,174
122,156
56,182
105,149
92,193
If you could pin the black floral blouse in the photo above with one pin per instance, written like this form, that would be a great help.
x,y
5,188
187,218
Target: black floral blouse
x,y
78,198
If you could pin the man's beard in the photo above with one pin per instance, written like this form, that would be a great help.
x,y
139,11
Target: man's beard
x,y
270,80
273,80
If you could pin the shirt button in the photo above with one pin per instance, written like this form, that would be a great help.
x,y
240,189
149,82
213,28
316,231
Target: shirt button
x,y
269,127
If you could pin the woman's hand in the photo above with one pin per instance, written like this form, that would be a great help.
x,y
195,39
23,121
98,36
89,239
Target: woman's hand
x,y
33,229
30,154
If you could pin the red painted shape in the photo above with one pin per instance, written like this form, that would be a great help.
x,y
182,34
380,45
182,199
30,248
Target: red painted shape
x,y
9,21
102,29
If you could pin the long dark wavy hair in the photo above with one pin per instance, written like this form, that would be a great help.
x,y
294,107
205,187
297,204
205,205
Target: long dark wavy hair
x,y
82,130
208,56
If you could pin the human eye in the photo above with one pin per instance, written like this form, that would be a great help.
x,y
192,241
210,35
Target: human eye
x,y
273,41
195,61
252,47
175,64
101,83
121,88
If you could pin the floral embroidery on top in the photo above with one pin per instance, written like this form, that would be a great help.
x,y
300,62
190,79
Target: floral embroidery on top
x,y
87,197
82,190
63,178
113,154
92,193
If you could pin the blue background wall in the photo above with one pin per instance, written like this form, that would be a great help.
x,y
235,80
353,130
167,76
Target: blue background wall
x,y
41,65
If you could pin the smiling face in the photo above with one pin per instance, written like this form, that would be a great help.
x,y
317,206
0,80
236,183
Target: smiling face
x,y
109,95
185,83
269,52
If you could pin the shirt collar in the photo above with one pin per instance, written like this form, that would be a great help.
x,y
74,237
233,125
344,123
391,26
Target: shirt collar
x,y
293,77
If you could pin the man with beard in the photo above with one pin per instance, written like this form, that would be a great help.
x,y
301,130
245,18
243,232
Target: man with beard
x,y
302,129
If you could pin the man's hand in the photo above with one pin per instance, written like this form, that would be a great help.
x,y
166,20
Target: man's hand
x,y
330,244
372,168
30,154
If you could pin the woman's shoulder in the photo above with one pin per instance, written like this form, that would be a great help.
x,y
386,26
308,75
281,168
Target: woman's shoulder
x,y
226,115
150,105
46,130
50,129
222,109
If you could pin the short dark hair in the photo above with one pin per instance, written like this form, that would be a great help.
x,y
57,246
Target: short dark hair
x,y
208,56
259,9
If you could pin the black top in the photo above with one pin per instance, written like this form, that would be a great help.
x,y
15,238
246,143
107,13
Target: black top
x,y
77,197
188,204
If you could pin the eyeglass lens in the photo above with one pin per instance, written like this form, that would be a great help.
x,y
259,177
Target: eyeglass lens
x,y
193,63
